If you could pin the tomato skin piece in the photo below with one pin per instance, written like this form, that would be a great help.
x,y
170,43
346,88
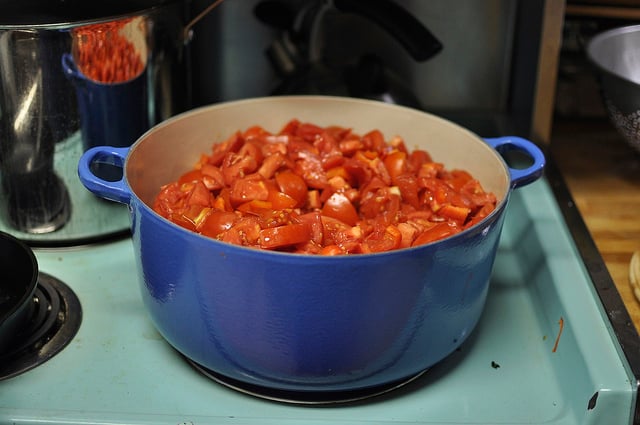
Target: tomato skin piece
x,y
336,232
281,201
339,207
308,131
282,236
220,150
271,164
245,231
248,189
255,132
254,207
459,178
200,195
350,146
169,199
188,217
436,232
408,234
457,214
359,171
217,222
484,211
383,202
374,140
330,250
312,172
409,190
417,158
293,185
387,240
396,164
190,177
212,177
314,221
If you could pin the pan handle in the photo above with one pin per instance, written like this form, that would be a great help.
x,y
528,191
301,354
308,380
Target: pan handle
x,y
118,190
186,32
534,168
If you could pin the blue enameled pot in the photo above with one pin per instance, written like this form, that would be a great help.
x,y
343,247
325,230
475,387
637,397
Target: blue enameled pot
x,y
300,322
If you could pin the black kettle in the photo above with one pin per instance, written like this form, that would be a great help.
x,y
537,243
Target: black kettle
x,y
298,57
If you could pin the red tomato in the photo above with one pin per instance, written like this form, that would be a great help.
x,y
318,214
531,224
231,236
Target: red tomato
x,y
271,164
285,235
396,164
437,231
245,231
280,200
212,177
389,239
308,131
374,141
322,190
457,214
220,150
248,189
339,207
190,177
293,185
338,233
199,195
314,221
217,222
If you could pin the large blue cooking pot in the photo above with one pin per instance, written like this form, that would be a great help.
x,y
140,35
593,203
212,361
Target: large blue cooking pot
x,y
301,322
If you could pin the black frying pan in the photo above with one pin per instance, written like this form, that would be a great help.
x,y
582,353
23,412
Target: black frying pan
x,y
18,281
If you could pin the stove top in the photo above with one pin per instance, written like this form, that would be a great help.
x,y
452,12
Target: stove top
x,y
543,352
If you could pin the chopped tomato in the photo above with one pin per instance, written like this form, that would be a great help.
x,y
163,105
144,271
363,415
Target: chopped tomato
x,y
457,214
339,207
322,190
396,163
293,185
248,189
436,232
217,222
285,235
386,240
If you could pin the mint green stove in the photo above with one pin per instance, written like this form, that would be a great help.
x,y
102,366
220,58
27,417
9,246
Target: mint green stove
x,y
554,346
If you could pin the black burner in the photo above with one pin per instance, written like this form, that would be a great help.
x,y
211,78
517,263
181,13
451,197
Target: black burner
x,y
55,320
306,397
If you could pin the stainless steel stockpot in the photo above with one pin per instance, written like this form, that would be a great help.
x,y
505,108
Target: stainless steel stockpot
x,y
51,111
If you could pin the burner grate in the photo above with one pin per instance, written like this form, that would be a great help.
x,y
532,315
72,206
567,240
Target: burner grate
x,y
55,318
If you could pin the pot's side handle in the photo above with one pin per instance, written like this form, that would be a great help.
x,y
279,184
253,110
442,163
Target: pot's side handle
x,y
113,190
535,163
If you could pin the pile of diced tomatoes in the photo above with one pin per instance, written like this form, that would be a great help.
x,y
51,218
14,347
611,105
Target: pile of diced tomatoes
x,y
322,190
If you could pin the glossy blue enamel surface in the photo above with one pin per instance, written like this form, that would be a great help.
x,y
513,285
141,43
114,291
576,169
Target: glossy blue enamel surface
x,y
303,322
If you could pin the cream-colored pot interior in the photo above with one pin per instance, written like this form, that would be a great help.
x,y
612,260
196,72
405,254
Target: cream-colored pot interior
x,y
173,147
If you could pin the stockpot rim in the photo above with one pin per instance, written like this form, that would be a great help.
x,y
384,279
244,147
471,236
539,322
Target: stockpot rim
x,y
61,23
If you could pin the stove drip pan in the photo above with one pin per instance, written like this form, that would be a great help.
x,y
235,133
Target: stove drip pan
x,y
55,318
314,398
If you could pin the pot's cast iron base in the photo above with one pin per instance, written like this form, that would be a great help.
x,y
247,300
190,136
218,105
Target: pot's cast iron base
x,y
306,397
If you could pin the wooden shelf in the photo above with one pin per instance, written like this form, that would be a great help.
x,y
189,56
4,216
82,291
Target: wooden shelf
x,y
604,11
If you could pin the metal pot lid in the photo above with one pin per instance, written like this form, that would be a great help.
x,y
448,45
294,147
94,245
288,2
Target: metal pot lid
x,y
59,13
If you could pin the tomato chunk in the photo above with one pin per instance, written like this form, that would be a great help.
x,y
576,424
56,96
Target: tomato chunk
x,y
286,235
